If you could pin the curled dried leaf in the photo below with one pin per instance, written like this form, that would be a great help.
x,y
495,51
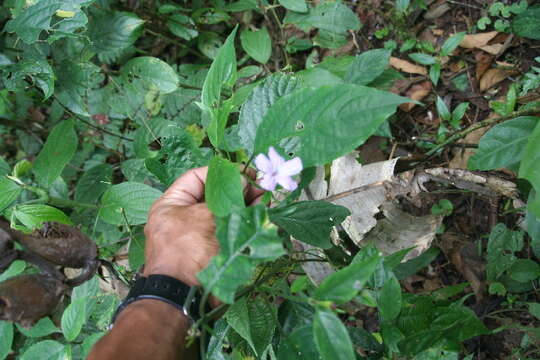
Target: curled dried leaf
x,y
62,245
25,299
408,67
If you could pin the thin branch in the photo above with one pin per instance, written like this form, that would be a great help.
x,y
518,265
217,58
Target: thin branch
x,y
479,125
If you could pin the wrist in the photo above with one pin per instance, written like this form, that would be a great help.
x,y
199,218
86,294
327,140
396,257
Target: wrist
x,y
152,310
187,278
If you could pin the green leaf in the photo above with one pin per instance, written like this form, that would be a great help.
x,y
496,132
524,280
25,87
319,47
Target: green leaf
x,y
443,207
524,270
136,252
298,345
294,5
343,285
44,350
113,31
246,238
261,99
363,339
58,150
222,74
4,167
532,224
6,340
504,144
412,266
255,320
423,59
224,191
458,113
93,183
435,73
43,327
22,168
182,26
389,299
33,216
368,66
33,20
452,43
331,336
76,83
38,70
16,268
334,17
73,319
89,342
527,24
313,113
154,71
502,244
257,44
529,168
534,309
309,221
458,323
134,199
442,109
9,192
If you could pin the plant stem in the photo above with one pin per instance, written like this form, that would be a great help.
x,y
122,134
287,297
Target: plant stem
x,y
479,125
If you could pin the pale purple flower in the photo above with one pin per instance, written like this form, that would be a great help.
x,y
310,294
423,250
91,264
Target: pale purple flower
x,y
277,171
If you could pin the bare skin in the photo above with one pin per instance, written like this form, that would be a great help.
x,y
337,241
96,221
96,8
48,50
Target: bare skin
x,y
180,242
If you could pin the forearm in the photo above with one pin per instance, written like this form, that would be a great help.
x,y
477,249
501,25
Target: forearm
x,y
146,329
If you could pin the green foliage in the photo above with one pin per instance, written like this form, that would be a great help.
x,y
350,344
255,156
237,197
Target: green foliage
x,y
246,238
503,145
127,202
309,109
331,337
257,44
309,221
56,153
115,117
527,24
224,190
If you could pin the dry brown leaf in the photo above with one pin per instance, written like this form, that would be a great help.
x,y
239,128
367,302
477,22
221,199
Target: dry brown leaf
x,y
483,62
416,92
493,49
494,76
474,41
408,67
399,230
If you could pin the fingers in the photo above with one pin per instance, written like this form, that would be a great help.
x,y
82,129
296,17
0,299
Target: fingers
x,y
188,189
252,194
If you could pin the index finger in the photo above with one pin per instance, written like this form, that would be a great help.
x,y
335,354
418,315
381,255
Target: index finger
x,y
188,189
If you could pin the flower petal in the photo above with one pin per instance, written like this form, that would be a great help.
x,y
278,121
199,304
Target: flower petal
x,y
291,167
275,158
287,182
268,182
263,164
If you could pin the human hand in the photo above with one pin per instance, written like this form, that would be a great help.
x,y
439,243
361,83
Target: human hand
x,y
180,232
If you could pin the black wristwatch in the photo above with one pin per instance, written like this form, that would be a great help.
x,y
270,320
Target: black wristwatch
x,y
167,289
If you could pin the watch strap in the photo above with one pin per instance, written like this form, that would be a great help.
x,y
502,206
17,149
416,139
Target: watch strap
x,y
164,288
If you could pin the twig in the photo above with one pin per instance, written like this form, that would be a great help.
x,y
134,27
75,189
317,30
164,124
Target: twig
x,y
479,125
94,126
353,191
